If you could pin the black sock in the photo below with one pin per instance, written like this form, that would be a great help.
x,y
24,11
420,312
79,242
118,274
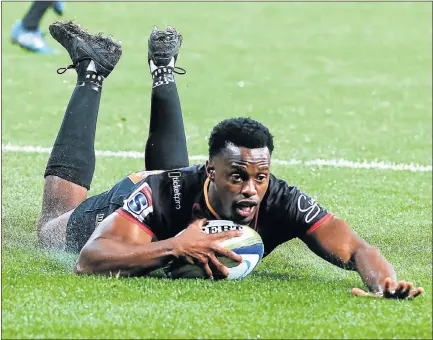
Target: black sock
x,y
34,15
73,154
166,145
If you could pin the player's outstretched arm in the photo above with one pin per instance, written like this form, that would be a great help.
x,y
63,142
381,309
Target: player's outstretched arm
x,y
120,247
337,243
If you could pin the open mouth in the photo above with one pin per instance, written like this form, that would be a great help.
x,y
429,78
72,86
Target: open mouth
x,y
245,208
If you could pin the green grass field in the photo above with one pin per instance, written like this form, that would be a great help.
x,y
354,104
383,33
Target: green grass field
x,y
330,80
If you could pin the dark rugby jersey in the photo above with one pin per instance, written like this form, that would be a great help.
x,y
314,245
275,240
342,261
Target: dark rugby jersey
x,y
165,203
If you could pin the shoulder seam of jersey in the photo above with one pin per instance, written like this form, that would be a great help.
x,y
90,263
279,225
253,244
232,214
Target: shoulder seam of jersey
x,y
130,218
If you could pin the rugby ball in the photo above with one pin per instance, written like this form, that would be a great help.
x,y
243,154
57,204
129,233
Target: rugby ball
x,y
249,246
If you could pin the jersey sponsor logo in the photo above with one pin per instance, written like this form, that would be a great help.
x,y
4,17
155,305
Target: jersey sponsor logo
x,y
139,204
175,176
309,207
215,229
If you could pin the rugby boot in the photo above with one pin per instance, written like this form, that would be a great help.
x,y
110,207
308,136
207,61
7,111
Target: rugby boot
x,y
163,49
33,41
82,45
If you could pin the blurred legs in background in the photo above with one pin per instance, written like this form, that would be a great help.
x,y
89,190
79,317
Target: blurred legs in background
x,y
26,32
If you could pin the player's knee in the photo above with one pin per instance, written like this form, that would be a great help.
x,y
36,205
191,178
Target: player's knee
x,y
51,235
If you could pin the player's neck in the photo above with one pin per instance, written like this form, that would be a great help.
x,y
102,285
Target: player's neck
x,y
213,202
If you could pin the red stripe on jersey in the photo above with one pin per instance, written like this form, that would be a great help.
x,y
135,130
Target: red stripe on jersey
x,y
135,221
319,223
148,193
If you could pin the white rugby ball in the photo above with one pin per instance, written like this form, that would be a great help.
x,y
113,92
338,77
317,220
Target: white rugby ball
x,y
249,246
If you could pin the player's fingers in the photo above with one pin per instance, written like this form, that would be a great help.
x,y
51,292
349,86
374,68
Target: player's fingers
x,y
226,235
410,286
228,253
405,292
198,223
390,288
222,270
208,270
203,261
360,292
414,293
387,285
201,221
200,258
189,259
401,287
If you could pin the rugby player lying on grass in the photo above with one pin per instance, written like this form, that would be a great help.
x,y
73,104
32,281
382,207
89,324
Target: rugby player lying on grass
x,y
130,228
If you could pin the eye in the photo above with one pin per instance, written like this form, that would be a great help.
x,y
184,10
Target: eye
x,y
236,178
261,177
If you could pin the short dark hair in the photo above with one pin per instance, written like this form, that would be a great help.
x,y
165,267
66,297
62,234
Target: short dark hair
x,y
242,132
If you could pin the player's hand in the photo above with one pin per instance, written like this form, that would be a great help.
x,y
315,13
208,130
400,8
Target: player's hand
x,y
392,290
196,247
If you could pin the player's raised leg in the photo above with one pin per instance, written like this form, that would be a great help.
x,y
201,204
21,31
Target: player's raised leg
x,y
71,164
166,145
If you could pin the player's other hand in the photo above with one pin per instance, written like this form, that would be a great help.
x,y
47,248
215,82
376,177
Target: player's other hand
x,y
196,247
392,290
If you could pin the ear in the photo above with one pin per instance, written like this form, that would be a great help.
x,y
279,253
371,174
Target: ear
x,y
210,170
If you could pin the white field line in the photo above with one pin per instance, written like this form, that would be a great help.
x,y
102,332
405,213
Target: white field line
x,y
336,163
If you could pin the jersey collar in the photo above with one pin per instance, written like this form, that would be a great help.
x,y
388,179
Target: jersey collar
x,y
206,199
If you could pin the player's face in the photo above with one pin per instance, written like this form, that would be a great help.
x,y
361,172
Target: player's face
x,y
240,179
